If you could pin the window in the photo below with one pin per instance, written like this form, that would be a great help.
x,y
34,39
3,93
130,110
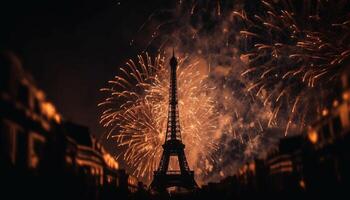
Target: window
x,y
8,140
35,149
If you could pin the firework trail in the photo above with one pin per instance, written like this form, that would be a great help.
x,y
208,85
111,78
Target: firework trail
x,y
251,77
222,123
136,113
209,32
294,51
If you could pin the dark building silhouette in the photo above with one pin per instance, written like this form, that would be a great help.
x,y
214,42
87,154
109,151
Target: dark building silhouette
x,y
45,156
313,165
26,117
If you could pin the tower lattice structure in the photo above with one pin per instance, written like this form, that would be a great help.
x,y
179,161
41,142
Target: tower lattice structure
x,y
173,146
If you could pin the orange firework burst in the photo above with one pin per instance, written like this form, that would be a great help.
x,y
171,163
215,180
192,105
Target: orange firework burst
x,y
294,54
136,113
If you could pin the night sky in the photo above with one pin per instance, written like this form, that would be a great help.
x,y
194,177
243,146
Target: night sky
x,y
73,47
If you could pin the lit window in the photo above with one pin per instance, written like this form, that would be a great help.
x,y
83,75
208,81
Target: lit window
x,y
8,141
35,149
313,136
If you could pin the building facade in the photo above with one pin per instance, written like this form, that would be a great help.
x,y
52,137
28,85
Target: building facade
x,y
41,153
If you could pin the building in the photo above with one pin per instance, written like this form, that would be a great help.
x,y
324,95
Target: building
x,y
327,160
285,166
26,116
41,153
311,165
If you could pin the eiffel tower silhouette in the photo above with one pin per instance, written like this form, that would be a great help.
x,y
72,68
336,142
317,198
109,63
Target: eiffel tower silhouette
x,y
164,178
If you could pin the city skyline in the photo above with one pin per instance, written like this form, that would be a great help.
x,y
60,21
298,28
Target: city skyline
x,y
259,87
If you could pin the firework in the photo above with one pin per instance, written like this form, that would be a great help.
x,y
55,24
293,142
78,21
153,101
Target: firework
x,y
271,67
136,113
206,32
223,123
294,50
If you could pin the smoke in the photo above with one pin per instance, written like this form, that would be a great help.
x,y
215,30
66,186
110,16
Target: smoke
x,y
208,33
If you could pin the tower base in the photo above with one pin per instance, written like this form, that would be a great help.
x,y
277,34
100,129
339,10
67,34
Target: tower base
x,y
163,181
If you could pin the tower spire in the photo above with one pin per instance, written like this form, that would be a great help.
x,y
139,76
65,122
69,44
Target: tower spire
x,y
173,146
173,129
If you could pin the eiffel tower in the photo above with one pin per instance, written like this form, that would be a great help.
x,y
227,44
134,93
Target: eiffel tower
x,y
164,178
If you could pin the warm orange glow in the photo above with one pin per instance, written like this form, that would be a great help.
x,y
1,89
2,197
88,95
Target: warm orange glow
x,y
82,162
109,179
110,161
33,140
50,112
48,109
344,115
252,167
325,112
40,94
313,136
132,180
346,95
284,164
174,163
57,118
68,160
335,103
302,184
141,118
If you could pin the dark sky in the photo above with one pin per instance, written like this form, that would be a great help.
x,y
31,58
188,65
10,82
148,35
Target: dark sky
x,y
73,47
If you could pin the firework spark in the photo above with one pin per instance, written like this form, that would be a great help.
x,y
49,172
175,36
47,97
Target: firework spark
x,y
218,141
271,68
294,50
136,113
